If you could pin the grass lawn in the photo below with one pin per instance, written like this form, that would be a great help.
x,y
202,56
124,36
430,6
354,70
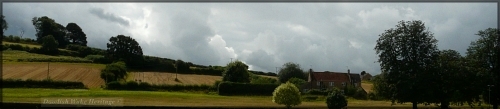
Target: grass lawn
x,y
147,98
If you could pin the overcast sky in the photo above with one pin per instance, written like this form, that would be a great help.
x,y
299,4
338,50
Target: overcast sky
x,y
324,36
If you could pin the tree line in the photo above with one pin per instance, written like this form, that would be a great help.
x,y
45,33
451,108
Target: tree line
x,y
414,70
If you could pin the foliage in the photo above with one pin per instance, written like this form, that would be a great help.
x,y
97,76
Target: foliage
x,y
297,82
232,88
360,94
82,51
236,71
318,92
98,59
406,53
287,94
350,90
181,66
290,70
114,72
381,88
363,72
335,100
125,48
46,83
46,26
49,46
5,25
484,53
216,71
255,79
76,35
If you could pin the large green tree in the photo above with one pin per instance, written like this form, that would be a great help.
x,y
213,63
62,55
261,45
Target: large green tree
x,y
236,71
406,53
45,26
76,35
49,46
485,51
125,48
290,70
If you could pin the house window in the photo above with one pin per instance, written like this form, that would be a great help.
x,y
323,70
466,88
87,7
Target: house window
x,y
318,83
331,83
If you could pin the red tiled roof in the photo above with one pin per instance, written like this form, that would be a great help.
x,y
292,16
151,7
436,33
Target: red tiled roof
x,y
329,76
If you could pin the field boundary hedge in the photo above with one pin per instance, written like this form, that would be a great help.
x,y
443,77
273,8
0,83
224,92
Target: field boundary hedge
x,y
46,83
143,86
231,88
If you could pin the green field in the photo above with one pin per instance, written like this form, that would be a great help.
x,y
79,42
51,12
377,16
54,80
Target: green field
x,y
15,55
146,98
29,45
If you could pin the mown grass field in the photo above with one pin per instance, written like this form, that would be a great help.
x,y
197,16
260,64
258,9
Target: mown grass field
x,y
29,45
146,98
89,74
15,55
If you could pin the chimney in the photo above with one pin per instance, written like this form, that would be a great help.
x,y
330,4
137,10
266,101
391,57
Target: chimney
x,y
348,71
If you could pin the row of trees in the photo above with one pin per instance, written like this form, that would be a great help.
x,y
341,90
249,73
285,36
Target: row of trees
x,y
64,35
414,70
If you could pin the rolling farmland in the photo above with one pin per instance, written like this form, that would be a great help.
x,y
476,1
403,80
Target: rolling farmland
x,y
89,74
169,78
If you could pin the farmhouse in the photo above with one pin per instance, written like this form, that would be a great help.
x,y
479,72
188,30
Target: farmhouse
x,y
328,80
366,76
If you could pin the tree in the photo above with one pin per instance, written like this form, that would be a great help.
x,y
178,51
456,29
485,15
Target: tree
x,y
124,48
290,70
363,72
287,94
381,88
45,26
236,71
49,46
5,25
336,100
114,72
297,82
76,35
182,66
486,51
406,53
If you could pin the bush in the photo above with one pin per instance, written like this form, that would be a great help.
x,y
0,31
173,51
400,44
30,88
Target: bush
x,y
231,88
336,100
81,50
287,94
262,80
47,83
236,71
114,72
318,92
360,94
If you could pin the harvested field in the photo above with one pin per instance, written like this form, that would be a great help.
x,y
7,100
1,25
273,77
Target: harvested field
x,y
169,78
89,74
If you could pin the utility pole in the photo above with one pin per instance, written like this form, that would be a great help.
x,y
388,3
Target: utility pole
x,y
489,95
48,68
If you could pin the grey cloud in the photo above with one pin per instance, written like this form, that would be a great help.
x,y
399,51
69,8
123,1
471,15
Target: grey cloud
x,y
99,12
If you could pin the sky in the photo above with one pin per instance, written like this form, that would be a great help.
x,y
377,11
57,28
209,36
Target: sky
x,y
322,36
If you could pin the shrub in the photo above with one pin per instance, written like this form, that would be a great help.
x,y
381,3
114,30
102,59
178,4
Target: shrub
x,y
318,92
231,88
81,50
335,100
114,72
360,94
49,45
287,94
350,90
47,83
262,80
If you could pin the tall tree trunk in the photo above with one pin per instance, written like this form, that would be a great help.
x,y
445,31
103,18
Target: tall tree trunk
x,y
414,105
445,105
